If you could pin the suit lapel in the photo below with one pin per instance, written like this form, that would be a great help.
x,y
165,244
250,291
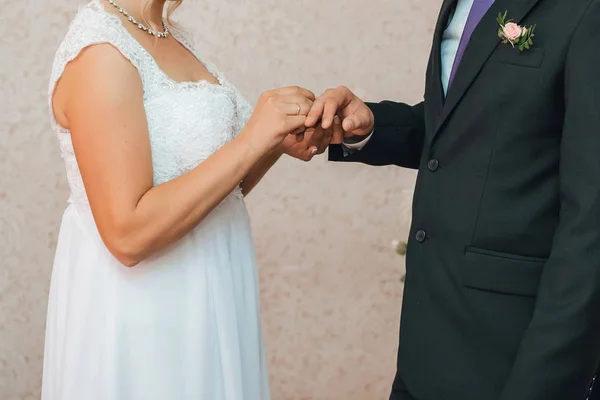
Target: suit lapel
x,y
434,82
481,45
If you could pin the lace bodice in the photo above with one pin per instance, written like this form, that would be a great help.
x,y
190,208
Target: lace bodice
x,y
187,121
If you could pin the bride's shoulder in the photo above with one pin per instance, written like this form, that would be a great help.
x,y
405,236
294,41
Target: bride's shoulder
x,y
90,22
92,25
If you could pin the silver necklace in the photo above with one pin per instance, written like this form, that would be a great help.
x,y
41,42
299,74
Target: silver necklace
x,y
141,26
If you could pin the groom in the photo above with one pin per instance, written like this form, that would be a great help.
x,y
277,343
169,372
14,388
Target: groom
x,y
502,296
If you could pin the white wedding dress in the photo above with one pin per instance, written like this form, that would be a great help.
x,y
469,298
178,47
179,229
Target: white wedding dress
x,y
185,323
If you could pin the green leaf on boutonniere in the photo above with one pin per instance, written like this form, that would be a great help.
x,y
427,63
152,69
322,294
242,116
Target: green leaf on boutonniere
x,y
502,19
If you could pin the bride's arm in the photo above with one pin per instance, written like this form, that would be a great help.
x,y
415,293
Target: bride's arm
x,y
109,130
303,147
259,170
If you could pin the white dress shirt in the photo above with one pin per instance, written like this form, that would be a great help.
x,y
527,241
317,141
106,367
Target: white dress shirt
x,y
449,48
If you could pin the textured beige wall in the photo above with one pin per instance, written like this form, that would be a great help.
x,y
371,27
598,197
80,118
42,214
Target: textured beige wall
x,y
331,288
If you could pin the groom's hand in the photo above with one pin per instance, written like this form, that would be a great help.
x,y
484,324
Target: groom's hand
x,y
357,118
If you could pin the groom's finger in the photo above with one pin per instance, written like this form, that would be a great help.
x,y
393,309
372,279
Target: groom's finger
x,y
315,112
325,139
330,109
338,133
354,123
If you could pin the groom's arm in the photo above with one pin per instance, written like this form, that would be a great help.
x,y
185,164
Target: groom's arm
x,y
561,348
397,138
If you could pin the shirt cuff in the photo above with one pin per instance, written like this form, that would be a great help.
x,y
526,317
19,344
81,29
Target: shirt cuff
x,y
352,147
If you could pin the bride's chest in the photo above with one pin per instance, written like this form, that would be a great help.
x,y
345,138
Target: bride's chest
x,y
186,125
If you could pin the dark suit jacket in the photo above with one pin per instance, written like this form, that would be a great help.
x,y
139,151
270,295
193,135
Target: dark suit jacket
x,y
502,295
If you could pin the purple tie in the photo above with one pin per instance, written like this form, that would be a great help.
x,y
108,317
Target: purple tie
x,y
478,10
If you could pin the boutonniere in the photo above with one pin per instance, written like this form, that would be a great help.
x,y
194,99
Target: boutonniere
x,y
517,36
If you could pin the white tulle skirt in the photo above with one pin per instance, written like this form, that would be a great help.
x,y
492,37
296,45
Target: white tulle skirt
x,y
182,325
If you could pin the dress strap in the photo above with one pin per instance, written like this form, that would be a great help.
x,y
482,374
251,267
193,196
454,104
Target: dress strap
x,y
91,26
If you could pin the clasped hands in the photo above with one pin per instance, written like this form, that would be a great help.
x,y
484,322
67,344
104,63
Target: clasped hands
x,y
332,118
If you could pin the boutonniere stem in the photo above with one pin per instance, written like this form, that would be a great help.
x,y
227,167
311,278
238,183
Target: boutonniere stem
x,y
520,37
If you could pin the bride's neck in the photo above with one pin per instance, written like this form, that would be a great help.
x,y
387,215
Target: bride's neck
x,y
156,11
145,10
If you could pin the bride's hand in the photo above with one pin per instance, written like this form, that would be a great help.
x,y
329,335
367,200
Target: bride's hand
x,y
278,113
313,141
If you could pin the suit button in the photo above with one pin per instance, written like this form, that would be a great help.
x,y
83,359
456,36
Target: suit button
x,y
420,236
433,165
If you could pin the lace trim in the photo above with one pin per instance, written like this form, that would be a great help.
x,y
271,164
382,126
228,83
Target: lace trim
x,y
116,20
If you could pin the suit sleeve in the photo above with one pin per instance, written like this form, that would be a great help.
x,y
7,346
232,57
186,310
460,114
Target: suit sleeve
x,y
397,139
560,351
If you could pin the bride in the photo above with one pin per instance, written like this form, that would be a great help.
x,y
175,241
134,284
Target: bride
x,y
154,287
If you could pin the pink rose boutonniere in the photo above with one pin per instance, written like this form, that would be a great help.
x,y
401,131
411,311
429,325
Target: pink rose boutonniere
x,y
517,36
